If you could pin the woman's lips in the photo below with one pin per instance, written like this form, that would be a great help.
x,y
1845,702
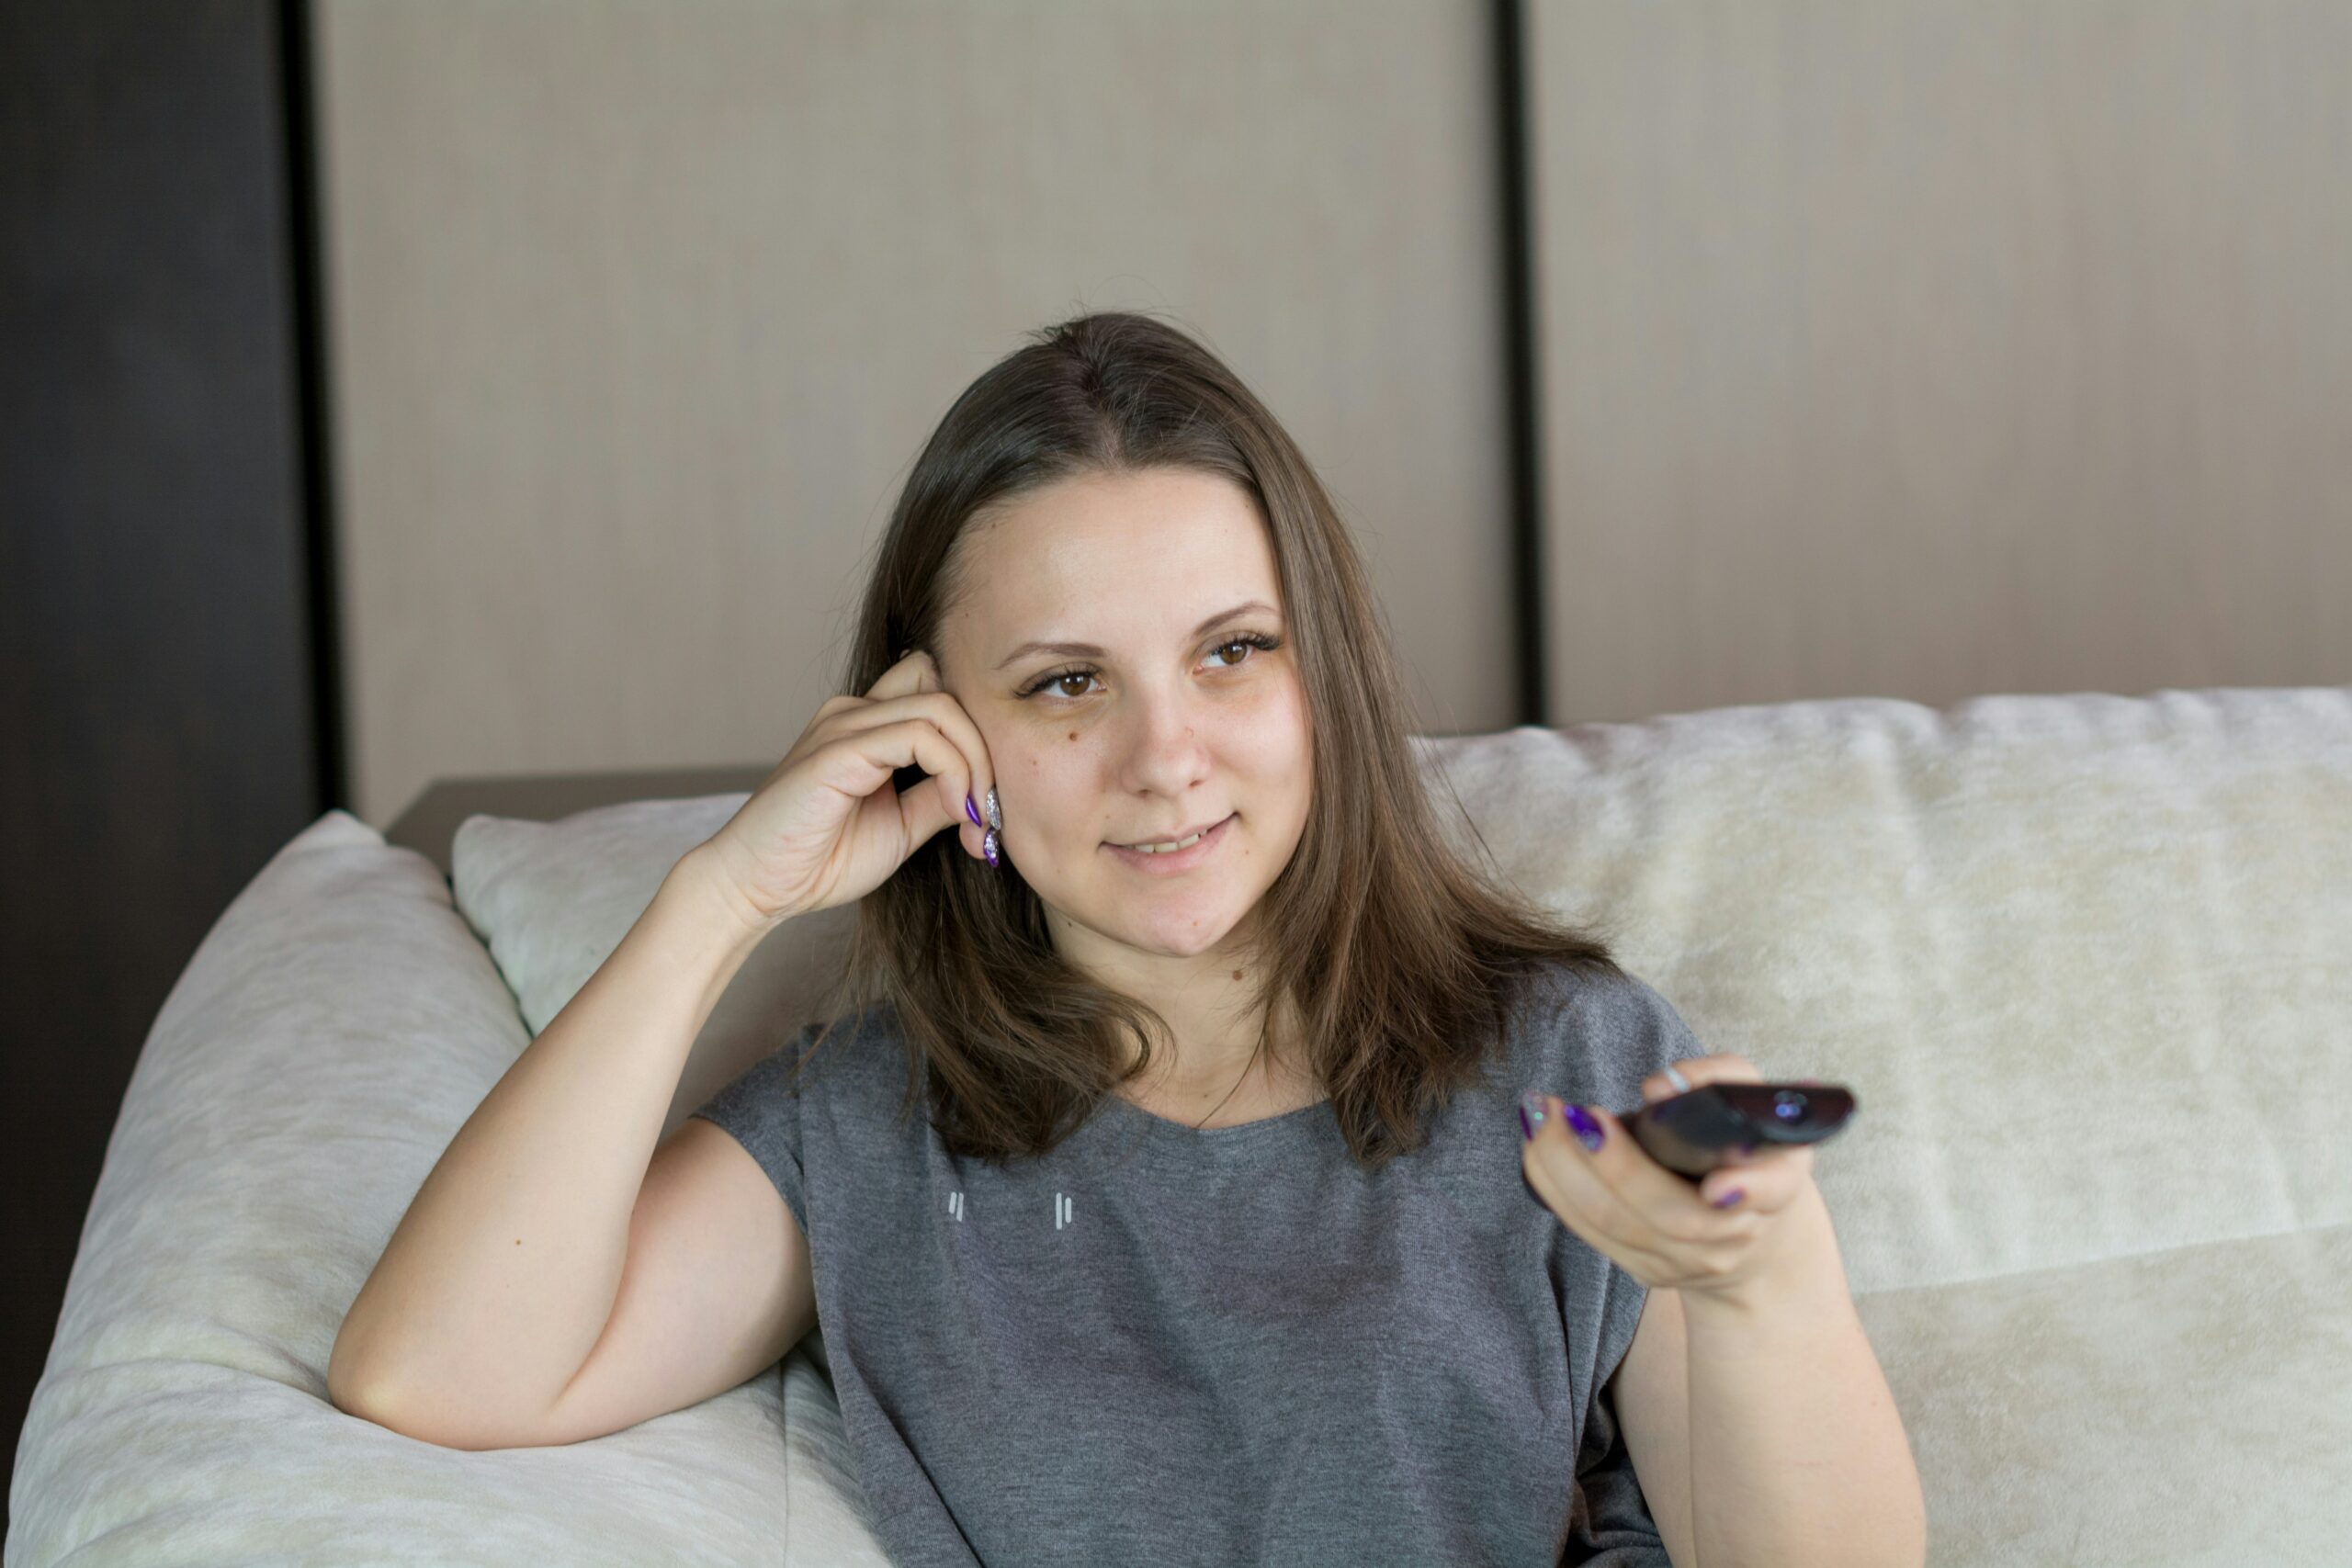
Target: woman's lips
x,y
1180,860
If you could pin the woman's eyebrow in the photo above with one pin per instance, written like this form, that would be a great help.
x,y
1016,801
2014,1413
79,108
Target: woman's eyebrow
x,y
1088,650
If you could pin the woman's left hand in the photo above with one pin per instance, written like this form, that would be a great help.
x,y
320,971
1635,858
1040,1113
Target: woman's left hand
x,y
1656,1223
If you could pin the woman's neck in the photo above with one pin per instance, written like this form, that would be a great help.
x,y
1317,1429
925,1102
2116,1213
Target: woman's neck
x,y
1254,1073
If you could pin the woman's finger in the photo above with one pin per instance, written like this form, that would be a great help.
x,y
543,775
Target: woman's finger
x,y
1699,1071
956,720
865,752
911,689
1573,1206
943,713
1616,1195
1660,1204
904,677
1771,1178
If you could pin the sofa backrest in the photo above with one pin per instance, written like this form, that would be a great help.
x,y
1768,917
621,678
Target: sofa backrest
x,y
2080,957
2084,960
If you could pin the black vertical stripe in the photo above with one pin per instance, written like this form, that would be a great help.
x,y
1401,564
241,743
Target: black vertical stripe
x,y
321,587
1520,357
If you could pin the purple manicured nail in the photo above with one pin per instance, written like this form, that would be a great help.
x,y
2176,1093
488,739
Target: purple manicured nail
x,y
1531,1113
973,812
1728,1199
1587,1130
988,845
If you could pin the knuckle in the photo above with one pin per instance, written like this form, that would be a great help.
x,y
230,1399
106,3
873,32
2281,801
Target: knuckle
x,y
953,719
1686,1231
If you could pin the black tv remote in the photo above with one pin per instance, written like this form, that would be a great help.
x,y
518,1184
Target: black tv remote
x,y
1691,1133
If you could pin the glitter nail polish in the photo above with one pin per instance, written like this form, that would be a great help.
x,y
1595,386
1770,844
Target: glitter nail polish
x,y
1531,1113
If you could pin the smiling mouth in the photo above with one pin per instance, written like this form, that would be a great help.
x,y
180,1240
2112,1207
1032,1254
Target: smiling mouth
x,y
1173,846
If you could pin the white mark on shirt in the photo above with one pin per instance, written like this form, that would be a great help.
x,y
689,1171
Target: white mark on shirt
x,y
1061,1211
955,1206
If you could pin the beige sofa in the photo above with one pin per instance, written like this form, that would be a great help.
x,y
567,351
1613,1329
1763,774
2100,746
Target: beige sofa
x,y
2083,959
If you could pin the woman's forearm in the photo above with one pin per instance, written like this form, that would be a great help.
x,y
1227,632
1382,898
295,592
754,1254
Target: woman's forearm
x,y
502,1273
1798,1455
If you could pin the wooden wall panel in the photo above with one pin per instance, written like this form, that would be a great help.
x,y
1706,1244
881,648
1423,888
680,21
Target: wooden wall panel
x,y
159,728
641,314
1925,348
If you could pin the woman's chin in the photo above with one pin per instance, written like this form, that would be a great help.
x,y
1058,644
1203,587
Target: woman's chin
x,y
1178,936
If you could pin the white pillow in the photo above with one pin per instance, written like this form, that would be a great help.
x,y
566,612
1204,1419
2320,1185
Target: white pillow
x,y
553,900
332,1032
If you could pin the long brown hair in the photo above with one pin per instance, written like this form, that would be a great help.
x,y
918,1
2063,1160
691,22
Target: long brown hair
x,y
1398,957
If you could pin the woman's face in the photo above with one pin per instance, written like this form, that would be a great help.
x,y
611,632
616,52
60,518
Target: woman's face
x,y
1170,720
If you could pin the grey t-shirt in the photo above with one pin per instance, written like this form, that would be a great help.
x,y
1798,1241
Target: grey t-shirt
x,y
1163,1344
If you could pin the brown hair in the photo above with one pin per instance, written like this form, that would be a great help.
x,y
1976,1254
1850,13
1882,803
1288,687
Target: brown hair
x,y
1398,957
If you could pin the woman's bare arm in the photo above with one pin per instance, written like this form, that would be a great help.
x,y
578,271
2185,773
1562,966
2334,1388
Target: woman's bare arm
x,y
502,1275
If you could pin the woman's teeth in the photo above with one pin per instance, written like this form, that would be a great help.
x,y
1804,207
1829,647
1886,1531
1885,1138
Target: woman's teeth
x,y
1168,848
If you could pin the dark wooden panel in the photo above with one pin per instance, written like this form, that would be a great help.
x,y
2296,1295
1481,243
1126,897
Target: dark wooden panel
x,y
155,661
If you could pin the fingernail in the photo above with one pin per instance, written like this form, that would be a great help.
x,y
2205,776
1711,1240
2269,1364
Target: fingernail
x,y
996,815
1531,1113
1728,1199
971,813
1587,1130
988,845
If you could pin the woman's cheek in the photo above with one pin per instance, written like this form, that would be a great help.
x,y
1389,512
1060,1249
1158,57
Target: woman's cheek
x,y
1062,767
1281,717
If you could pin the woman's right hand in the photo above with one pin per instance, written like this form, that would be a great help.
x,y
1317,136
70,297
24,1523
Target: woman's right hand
x,y
827,827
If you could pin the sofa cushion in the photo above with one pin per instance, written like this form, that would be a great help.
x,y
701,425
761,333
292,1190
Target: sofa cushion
x,y
332,1032
553,900
2192,1406
2080,956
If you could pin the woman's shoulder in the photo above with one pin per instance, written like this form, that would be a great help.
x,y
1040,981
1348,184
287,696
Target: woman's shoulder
x,y
863,1044
1555,990
1598,1028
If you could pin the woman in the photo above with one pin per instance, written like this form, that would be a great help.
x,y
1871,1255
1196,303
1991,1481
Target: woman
x,y
1259,1345
1158,1185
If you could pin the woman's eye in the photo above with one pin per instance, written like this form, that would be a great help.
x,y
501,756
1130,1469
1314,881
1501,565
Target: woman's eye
x,y
1253,641
1257,640
1059,676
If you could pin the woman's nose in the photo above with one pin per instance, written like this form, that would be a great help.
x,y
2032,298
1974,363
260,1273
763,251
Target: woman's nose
x,y
1162,735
